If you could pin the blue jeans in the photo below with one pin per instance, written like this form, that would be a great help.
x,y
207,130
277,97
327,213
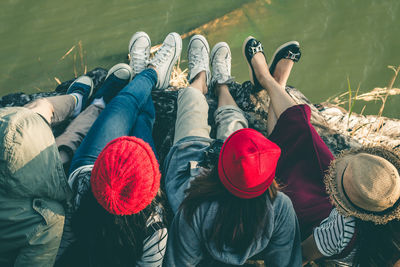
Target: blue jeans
x,y
130,113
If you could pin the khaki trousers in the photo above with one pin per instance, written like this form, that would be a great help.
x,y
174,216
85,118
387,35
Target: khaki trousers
x,y
192,117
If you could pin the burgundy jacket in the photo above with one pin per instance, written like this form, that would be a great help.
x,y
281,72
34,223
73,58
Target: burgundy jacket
x,y
301,168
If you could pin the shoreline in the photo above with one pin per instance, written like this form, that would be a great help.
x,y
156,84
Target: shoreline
x,y
339,128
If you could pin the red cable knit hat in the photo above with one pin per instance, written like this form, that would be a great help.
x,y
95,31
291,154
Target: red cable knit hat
x,y
247,163
126,176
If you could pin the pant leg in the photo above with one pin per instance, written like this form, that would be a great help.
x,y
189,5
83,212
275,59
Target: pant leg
x,y
55,109
192,115
229,119
143,128
73,135
117,119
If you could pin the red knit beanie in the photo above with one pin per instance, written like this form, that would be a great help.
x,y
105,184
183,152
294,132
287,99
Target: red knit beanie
x,y
247,163
126,176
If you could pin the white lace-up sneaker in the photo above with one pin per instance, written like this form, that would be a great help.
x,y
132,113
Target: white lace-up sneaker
x,y
221,64
198,56
139,51
165,58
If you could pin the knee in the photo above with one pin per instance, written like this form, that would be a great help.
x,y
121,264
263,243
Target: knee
x,y
42,107
192,99
191,93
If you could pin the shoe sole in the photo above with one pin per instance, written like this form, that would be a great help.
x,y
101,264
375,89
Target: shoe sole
x,y
280,48
177,53
120,66
134,38
248,63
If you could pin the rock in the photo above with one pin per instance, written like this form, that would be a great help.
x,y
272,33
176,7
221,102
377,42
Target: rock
x,y
367,130
337,129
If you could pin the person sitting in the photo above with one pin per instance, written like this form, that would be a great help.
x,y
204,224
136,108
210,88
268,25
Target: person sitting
x,y
349,207
117,215
33,184
227,206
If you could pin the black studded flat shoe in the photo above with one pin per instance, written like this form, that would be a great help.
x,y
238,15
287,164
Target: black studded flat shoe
x,y
251,46
289,50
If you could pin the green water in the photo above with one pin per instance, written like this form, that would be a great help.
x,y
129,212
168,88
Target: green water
x,y
348,38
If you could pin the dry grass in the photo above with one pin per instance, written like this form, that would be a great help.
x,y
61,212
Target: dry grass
x,y
179,77
372,130
79,66
388,92
377,94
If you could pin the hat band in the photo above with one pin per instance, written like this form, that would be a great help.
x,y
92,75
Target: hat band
x,y
383,212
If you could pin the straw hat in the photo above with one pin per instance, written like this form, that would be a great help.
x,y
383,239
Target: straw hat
x,y
365,183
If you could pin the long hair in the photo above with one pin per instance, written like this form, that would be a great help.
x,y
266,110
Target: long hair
x,y
106,239
238,221
377,245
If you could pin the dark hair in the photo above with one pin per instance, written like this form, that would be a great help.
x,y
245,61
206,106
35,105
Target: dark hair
x,y
105,239
378,245
238,221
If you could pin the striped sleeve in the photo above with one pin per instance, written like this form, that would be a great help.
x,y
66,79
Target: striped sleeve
x,y
79,181
154,249
154,246
334,233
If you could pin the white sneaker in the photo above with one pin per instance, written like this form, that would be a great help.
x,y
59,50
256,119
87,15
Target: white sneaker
x,y
139,51
121,71
165,58
198,56
221,64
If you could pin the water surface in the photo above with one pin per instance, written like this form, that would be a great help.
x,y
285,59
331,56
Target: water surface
x,y
355,38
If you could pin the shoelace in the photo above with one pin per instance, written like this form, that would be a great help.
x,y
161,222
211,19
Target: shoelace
x,y
162,55
197,59
221,69
139,61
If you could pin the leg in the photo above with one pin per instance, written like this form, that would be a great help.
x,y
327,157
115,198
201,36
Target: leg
x,y
280,99
143,128
228,117
117,78
57,109
282,71
192,114
54,109
272,119
69,141
224,96
281,75
281,64
117,119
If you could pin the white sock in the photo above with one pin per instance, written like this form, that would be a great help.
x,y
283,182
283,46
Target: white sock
x,y
78,104
99,102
